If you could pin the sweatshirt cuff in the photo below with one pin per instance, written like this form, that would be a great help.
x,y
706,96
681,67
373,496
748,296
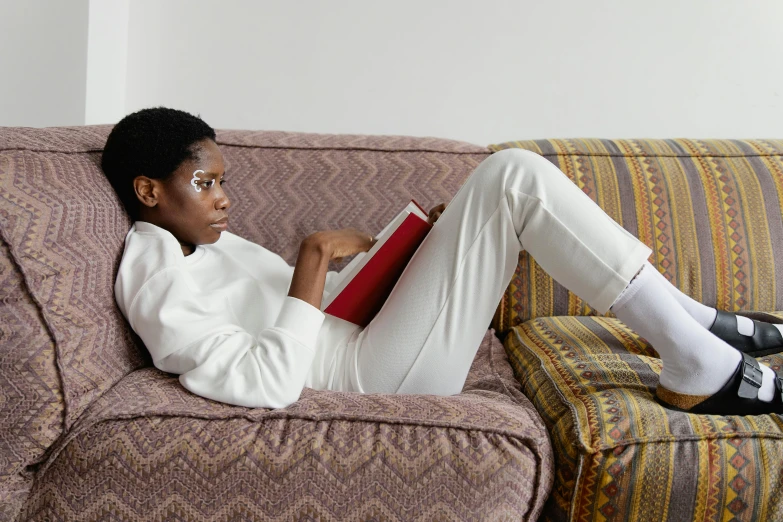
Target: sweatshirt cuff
x,y
301,320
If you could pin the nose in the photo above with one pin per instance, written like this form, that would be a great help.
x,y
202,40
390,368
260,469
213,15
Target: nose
x,y
222,202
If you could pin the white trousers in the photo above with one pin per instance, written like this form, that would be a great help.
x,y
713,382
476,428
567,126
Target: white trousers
x,y
425,337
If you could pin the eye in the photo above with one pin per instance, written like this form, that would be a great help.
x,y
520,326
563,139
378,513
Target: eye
x,y
208,183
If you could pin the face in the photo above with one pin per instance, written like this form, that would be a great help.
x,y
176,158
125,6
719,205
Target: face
x,y
191,204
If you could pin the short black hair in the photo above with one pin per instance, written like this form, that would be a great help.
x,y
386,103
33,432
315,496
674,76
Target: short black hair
x,y
151,142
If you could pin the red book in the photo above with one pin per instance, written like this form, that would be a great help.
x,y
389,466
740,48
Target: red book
x,y
366,282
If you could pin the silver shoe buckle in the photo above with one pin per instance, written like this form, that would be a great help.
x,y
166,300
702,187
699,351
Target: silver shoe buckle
x,y
751,378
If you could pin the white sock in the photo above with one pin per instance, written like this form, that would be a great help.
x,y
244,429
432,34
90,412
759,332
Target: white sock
x,y
705,315
695,362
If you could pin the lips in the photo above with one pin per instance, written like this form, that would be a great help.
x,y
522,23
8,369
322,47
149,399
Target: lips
x,y
221,224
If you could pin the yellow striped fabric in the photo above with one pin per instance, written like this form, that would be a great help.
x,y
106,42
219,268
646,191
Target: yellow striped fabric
x,y
710,210
619,454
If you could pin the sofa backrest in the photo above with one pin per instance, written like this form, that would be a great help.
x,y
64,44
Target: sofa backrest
x,y
62,227
294,184
709,209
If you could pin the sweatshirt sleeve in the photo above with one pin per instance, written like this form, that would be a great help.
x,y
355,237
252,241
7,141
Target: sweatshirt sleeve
x,y
215,358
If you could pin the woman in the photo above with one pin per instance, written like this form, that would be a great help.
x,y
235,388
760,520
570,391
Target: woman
x,y
241,326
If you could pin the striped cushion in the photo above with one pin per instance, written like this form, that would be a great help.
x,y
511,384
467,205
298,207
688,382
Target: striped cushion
x,y
619,455
709,209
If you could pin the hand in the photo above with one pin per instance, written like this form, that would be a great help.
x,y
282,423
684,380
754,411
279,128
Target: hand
x,y
344,242
435,213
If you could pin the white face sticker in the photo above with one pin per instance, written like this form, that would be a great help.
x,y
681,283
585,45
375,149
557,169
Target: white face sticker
x,y
195,179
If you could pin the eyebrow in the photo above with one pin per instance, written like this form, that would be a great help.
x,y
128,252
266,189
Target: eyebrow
x,y
213,174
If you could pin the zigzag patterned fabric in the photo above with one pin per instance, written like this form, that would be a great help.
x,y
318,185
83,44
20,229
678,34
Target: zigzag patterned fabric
x,y
285,186
30,395
150,450
619,454
64,339
709,209
91,430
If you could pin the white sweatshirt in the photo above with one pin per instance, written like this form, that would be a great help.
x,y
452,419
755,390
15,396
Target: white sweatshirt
x,y
222,319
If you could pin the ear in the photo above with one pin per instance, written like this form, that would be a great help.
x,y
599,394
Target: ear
x,y
146,190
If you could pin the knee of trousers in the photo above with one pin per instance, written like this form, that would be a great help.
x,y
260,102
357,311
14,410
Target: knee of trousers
x,y
520,169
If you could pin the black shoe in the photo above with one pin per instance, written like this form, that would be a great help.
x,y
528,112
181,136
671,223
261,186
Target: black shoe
x,y
766,339
739,396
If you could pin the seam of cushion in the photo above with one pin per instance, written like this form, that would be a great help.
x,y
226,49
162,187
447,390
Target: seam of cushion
x,y
580,444
496,373
640,155
268,147
44,318
354,147
777,155
53,151
539,475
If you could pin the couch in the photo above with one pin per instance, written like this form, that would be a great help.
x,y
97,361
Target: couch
x,y
557,419
91,430
711,211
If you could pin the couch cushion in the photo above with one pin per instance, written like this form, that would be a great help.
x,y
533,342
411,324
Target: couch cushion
x,y
619,454
711,210
65,226
30,397
149,449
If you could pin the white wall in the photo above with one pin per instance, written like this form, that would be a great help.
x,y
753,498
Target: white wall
x,y
486,71
43,61
483,72
107,52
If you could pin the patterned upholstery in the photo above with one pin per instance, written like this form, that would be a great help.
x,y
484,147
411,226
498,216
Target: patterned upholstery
x,y
62,230
30,397
712,211
91,422
148,449
709,209
284,186
619,454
